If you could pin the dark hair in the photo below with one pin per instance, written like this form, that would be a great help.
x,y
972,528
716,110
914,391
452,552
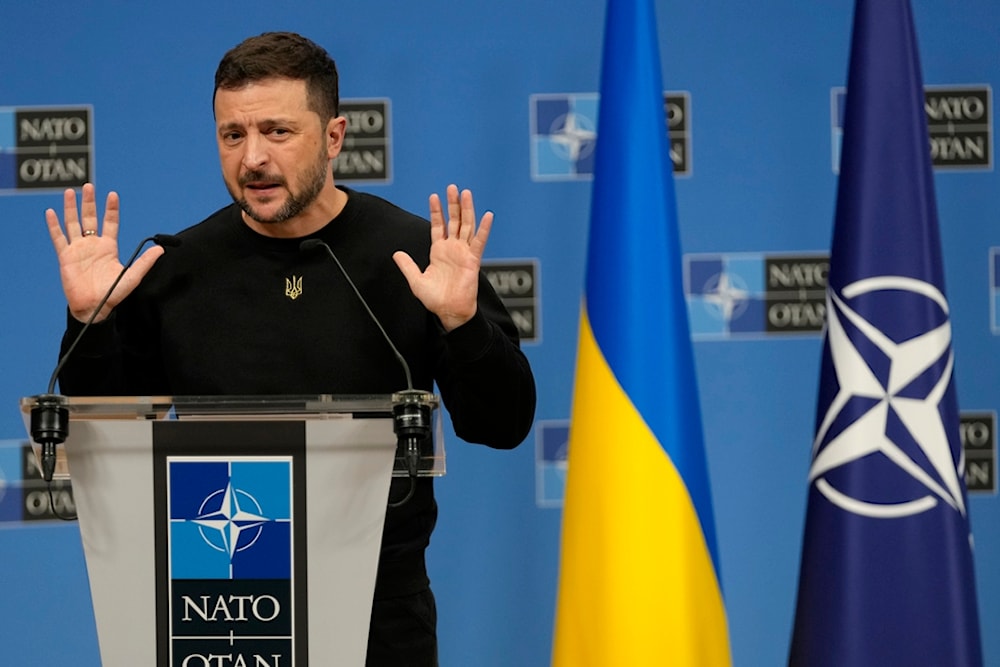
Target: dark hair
x,y
287,55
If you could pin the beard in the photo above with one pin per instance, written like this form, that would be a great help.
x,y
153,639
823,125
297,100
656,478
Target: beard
x,y
310,185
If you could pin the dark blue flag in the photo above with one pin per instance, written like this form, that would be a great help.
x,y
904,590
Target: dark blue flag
x,y
887,570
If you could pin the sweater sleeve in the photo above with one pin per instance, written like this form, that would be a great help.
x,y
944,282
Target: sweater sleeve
x,y
484,378
110,359
93,366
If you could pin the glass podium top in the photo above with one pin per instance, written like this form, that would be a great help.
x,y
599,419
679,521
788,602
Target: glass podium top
x,y
251,408
172,407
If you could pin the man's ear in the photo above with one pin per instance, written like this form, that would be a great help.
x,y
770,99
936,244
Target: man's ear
x,y
336,128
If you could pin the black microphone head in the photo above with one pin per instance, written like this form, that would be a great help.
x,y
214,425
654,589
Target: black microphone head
x,y
310,244
166,240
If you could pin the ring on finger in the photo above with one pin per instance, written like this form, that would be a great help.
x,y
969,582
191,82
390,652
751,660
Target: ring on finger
x,y
89,232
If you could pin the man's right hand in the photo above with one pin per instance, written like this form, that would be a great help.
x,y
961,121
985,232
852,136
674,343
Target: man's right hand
x,y
88,256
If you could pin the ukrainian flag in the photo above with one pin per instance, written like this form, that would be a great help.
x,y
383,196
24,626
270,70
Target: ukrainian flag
x,y
639,577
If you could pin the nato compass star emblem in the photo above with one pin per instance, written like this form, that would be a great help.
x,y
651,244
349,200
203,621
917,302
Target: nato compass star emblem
x,y
563,136
886,412
230,520
727,294
573,135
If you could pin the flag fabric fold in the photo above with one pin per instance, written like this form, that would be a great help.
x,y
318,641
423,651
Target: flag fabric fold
x,y
639,579
886,575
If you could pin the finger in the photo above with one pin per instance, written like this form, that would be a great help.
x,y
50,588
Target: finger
x,y
478,242
468,228
437,218
134,275
141,266
59,240
71,215
111,214
88,209
454,212
408,267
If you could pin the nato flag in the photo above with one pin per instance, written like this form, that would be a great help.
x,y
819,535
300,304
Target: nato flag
x,y
887,568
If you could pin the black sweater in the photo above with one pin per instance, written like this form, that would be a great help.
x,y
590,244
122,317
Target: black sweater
x,y
212,318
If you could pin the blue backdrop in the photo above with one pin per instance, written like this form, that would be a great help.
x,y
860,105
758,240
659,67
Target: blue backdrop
x,y
463,87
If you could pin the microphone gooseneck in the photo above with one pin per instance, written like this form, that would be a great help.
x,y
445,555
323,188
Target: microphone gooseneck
x,y
411,412
50,416
311,244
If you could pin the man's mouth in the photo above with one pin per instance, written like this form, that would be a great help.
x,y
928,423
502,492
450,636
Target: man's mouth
x,y
262,187
260,183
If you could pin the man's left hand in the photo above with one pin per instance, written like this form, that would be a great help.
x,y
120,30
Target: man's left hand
x,y
450,284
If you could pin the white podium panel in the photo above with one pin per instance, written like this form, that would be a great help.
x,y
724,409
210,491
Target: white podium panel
x,y
232,530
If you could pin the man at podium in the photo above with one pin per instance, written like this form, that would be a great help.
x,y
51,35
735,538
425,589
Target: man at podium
x,y
240,308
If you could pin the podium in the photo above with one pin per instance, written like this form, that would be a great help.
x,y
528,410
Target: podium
x,y
227,531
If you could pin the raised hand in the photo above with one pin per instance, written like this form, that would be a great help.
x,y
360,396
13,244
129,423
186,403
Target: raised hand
x,y
88,256
450,284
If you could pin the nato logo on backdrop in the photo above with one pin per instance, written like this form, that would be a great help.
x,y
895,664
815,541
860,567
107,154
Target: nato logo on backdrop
x,y
979,444
551,452
738,295
24,496
959,122
516,282
995,290
45,148
10,460
564,134
366,156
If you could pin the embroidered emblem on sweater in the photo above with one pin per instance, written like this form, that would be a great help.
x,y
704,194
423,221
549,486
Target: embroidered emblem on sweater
x,y
293,287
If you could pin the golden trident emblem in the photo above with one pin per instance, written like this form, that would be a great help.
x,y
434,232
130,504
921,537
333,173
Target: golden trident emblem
x,y
293,287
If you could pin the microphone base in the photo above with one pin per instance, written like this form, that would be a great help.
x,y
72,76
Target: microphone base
x,y
411,422
49,428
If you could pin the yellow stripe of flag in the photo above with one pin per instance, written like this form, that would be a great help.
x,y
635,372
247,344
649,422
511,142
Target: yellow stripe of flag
x,y
637,584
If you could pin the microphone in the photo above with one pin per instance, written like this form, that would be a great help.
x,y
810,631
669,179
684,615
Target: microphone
x,y
411,408
50,416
